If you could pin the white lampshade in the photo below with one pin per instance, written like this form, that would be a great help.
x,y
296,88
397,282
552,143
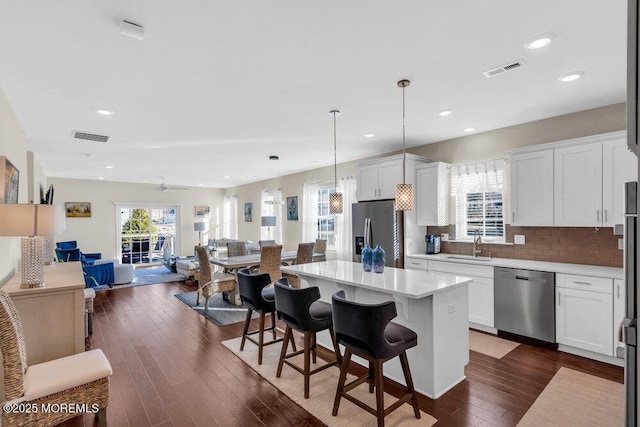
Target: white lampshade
x,y
268,221
31,220
199,226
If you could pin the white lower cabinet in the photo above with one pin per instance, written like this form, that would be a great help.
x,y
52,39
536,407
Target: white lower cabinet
x,y
584,313
480,290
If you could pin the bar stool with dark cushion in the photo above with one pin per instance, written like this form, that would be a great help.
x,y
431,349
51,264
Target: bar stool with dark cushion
x,y
256,298
300,309
366,330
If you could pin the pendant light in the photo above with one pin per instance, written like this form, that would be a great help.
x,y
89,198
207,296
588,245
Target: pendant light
x,y
404,191
335,198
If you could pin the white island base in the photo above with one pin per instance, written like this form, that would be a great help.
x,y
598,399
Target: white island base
x,y
434,305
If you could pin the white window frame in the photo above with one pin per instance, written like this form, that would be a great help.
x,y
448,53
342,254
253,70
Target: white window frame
x,y
481,177
323,206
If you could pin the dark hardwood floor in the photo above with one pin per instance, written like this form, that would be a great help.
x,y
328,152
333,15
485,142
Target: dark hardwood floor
x,y
170,369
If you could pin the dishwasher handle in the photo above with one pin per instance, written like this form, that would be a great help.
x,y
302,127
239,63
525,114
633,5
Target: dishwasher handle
x,y
522,278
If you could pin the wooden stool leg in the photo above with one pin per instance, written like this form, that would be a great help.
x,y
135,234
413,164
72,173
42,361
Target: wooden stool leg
x,y
404,361
336,348
372,377
273,324
285,342
293,341
246,328
313,347
261,337
307,361
379,380
344,367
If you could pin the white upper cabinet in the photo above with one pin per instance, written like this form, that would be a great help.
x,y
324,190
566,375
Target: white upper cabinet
x,y
377,179
532,188
578,185
619,165
432,193
575,183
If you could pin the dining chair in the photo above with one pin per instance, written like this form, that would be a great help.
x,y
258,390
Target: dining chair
x,y
321,248
211,283
236,248
81,378
366,330
303,256
270,257
266,243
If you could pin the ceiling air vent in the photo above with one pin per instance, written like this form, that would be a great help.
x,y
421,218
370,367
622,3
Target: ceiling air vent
x,y
504,68
90,136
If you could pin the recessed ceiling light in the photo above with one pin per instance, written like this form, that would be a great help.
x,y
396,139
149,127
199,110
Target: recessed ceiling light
x,y
226,177
469,129
445,112
101,177
540,41
369,135
104,112
569,77
108,166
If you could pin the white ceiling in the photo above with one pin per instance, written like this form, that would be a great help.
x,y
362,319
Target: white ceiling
x,y
216,87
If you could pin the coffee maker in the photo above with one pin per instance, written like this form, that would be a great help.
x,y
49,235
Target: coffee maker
x,y
433,243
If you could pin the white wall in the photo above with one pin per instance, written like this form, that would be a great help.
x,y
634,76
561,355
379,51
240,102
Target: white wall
x,y
98,233
13,145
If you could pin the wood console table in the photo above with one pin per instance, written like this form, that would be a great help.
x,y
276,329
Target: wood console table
x,y
52,316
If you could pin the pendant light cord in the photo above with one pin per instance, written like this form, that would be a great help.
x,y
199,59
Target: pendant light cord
x,y
335,113
404,158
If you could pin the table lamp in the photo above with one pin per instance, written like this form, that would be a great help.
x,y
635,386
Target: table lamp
x,y
268,221
32,222
199,227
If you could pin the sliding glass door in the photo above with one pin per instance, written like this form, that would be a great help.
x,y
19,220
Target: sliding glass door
x,y
146,233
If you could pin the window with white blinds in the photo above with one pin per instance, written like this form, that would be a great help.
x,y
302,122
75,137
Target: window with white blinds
x,y
478,191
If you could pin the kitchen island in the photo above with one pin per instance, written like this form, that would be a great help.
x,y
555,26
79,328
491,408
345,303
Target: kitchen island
x,y
434,305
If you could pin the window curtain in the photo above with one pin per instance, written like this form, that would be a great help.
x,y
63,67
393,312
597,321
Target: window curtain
x,y
271,205
230,217
344,244
309,212
472,178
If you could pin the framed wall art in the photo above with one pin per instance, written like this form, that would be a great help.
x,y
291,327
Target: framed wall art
x,y
77,209
292,208
202,211
10,177
248,213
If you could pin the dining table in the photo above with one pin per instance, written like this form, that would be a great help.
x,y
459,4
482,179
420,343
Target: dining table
x,y
234,263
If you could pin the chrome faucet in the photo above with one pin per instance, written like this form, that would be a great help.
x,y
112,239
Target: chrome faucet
x,y
477,243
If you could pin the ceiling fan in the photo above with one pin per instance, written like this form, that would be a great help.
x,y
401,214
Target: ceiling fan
x,y
164,187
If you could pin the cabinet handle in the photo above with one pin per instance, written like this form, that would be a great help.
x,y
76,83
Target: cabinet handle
x,y
597,215
435,218
559,298
582,283
618,291
606,217
513,217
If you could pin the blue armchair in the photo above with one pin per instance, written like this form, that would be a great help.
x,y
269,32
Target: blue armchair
x,y
101,274
68,251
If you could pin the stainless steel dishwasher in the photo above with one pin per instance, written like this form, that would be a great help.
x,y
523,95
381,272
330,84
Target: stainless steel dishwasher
x,y
525,303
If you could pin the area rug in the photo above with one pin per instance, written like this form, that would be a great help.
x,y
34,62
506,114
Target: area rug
x,y
574,398
490,345
220,312
322,390
147,276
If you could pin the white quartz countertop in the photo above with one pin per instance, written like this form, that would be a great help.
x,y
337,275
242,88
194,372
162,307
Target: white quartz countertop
x,y
407,283
555,267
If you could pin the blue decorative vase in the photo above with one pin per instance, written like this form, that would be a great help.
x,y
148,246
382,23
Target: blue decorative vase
x,y
367,258
378,259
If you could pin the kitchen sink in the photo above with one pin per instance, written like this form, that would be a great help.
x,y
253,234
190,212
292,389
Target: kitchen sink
x,y
470,258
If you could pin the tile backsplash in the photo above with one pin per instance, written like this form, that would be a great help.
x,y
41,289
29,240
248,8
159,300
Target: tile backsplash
x,y
575,245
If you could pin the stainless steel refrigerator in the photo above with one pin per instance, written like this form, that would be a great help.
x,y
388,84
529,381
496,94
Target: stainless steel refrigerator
x,y
632,237
378,223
